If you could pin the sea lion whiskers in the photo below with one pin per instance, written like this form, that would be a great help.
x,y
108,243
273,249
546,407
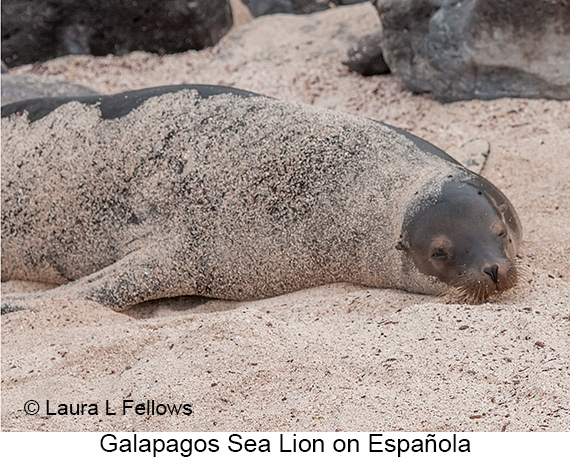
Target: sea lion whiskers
x,y
473,287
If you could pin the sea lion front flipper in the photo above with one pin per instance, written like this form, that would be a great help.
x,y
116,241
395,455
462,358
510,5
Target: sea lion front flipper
x,y
140,276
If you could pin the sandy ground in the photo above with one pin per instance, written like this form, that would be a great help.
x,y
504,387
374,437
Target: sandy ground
x,y
339,357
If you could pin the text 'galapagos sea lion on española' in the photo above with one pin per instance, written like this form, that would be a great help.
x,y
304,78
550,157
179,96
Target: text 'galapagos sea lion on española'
x,y
213,191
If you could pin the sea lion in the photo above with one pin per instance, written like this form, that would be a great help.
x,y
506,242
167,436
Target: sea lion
x,y
214,191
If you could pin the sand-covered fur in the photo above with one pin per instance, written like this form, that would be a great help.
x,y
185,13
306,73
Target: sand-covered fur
x,y
227,196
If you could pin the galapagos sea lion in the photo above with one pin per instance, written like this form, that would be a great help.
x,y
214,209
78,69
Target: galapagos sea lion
x,y
214,191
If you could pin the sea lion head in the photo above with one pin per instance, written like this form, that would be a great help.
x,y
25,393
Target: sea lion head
x,y
467,238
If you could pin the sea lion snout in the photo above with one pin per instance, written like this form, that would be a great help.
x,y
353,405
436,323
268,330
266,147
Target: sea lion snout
x,y
493,272
477,285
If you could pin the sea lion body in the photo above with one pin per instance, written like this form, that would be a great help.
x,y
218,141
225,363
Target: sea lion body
x,y
202,190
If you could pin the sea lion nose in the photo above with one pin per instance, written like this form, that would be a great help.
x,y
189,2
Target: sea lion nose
x,y
493,272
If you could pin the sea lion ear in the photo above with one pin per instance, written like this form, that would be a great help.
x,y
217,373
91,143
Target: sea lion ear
x,y
402,246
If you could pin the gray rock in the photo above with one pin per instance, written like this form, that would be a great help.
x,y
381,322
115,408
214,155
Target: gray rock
x,y
366,57
38,30
24,87
479,48
263,7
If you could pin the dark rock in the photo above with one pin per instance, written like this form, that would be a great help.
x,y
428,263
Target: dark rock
x,y
478,48
366,57
24,87
263,7
38,30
